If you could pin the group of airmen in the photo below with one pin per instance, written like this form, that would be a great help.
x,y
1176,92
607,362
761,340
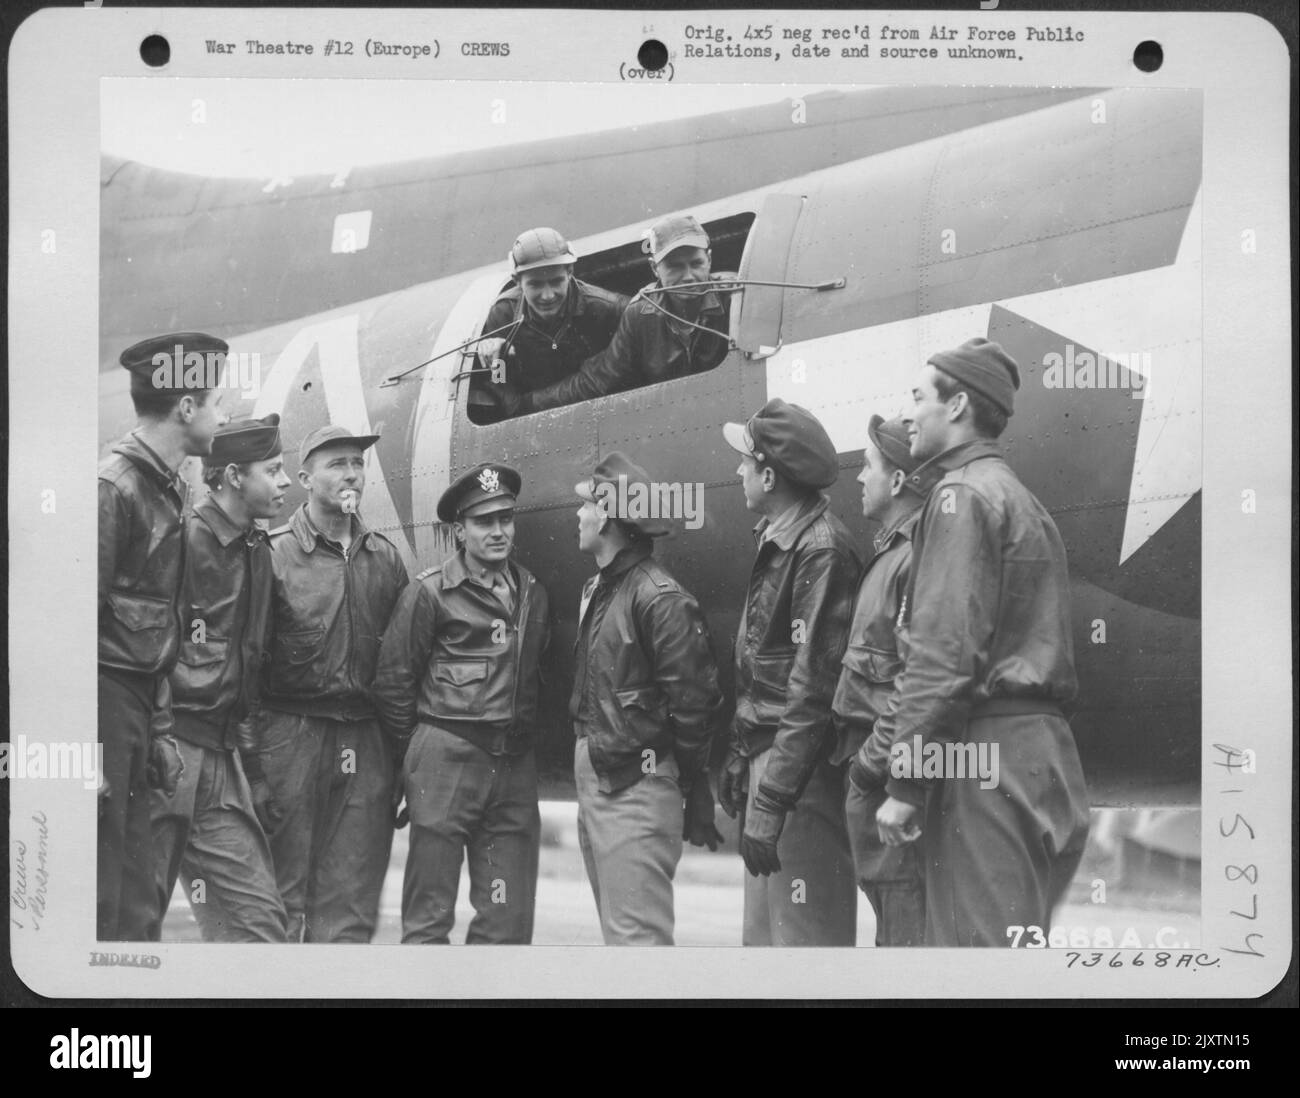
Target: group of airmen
x,y
268,702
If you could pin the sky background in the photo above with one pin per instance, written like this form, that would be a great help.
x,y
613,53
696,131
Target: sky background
x,y
260,128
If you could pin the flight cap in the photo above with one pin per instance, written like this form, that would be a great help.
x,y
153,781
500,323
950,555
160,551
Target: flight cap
x,y
245,440
614,483
890,438
790,439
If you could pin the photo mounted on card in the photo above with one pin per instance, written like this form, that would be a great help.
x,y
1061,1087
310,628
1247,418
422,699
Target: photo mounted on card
x,y
713,480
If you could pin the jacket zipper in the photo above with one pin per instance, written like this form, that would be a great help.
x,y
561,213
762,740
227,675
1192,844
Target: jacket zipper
x,y
351,622
521,619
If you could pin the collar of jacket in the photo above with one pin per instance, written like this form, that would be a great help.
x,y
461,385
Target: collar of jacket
x,y
625,560
455,571
306,533
221,524
809,511
902,528
955,457
140,454
574,299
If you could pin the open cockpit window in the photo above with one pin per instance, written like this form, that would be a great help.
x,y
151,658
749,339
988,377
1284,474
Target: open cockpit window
x,y
597,341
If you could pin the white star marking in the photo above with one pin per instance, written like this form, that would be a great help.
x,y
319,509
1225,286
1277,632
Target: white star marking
x,y
1152,318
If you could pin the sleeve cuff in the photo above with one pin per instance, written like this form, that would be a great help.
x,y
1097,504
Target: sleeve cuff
x,y
772,800
907,791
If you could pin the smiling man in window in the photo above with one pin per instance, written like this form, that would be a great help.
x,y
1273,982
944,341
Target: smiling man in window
x,y
674,327
548,323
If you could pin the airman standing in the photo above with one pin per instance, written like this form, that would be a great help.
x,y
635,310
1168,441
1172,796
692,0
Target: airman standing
x,y
892,877
141,562
990,665
459,677
207,832
793,631
645,698
328,769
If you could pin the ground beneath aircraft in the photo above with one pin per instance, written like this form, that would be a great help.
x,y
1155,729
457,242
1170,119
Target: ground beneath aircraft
x,y
708,892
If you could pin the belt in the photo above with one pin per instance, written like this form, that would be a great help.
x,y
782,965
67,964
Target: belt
x,y
494,738
1015,707
334,709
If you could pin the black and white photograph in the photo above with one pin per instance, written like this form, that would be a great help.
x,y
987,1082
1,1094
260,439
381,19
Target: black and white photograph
x,y
564,513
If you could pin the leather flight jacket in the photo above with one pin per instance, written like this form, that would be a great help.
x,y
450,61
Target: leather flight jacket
x,y
329,610
227,600
650,345
455,657
987,618
535,357
873,659
792,637
645,678
141,559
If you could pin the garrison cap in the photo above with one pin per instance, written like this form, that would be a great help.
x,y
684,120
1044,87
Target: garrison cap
x,y
985,367
245,440
484,489
677,231
142,360
329,435
790,439
540,248
616,481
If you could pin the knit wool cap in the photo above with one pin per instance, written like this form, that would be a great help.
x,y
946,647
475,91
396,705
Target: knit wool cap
x,y
985,367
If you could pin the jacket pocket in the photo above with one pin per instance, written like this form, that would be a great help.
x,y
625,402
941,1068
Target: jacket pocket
x,y
643,713
197,674
873,664
139,631
459,687
293,656
770,679
140,613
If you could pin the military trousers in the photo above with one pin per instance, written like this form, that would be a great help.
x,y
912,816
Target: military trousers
x,y
207,834
126,901
462,799
1005,856
631,842
812,899
891,877
333,781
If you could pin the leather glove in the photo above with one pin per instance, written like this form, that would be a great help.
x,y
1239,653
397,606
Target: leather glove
x,y
763,823
698,828
860,777
733,783
165,766
265,807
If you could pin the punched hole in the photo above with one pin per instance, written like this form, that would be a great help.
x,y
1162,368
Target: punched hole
x,y
653,55
1148,56
155,51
